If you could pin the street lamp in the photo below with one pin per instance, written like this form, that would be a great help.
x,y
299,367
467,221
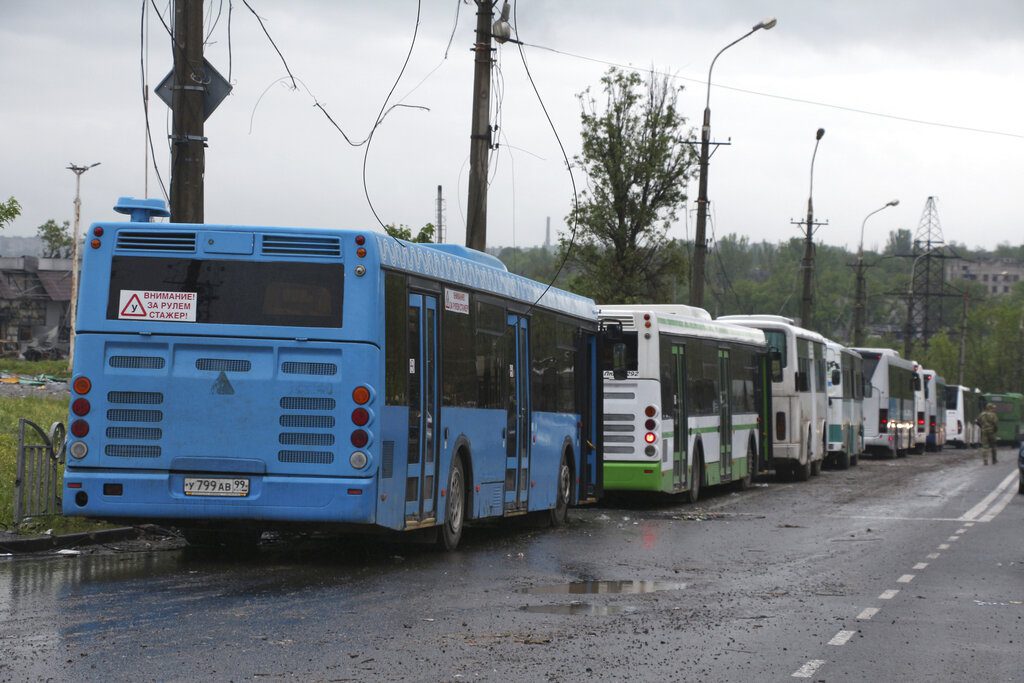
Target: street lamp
x,y
861,289
73,308
807,300
700,246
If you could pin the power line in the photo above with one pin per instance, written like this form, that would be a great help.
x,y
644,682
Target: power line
x,y
262,26
786,98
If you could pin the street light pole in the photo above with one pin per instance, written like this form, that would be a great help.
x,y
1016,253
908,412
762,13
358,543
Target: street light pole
x,y
73,306
807,301
700,247
860,296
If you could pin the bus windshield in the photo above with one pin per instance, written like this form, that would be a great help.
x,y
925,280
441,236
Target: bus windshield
x,y
870,363
230,292
952,393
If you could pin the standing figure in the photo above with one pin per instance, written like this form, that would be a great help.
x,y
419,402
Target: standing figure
x,y
989,423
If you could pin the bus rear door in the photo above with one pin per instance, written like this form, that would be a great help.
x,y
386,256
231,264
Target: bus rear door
x,y
725,414
421,468
518,433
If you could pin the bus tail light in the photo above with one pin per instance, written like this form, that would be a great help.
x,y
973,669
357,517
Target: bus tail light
x,y
80,428
360,438
361,395
920,422
80,407
650,411
883,420
650,437
82,385
780,426
360,416
650,424
959,427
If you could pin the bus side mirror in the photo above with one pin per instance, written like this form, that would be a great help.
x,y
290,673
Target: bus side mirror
x,y
619,361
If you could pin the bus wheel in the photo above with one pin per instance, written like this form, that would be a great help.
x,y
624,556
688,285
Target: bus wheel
x,y
743,483
455,507
816,467
802,472
843,460
693,495
854,459
560,513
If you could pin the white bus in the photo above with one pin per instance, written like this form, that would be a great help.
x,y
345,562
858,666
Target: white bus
x,y
845,380
799,398
888,402
683,396
920,409
935,393
961,412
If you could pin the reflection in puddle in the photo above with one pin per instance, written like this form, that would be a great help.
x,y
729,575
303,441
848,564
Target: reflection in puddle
x,y
590,587
579,608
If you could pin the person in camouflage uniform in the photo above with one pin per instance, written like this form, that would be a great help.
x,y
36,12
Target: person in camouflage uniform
x,y
989,423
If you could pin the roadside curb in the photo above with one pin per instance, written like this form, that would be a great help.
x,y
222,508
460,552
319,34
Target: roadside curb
x,y
35,544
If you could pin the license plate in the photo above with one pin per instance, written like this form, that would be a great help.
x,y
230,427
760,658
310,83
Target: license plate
x,y
216,486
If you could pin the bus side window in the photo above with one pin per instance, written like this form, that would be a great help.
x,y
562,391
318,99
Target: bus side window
x,y
776,364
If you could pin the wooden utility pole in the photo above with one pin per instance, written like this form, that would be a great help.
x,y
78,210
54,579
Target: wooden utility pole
x,y
480,135
963,344
188,148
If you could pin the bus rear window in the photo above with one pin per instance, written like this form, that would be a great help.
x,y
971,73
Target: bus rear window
x,y
625,348
283,294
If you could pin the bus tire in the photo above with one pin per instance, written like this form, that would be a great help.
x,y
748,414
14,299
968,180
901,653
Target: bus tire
x,y
843,460
854,459
802,472
816,467
693,495
563,494
455,507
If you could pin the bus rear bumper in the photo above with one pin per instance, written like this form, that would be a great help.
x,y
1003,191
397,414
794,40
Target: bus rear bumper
x,y
634,476
160,496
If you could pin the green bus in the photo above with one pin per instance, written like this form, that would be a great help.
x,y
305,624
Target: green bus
x,y
1009,408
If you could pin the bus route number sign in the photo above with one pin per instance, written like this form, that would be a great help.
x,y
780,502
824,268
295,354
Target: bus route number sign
x,y
157,306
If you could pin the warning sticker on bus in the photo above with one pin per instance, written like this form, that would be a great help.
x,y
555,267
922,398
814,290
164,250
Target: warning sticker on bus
x,y
456,301
157,306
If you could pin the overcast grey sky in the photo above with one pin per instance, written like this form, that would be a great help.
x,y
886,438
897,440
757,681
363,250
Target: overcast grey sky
x,y
70,80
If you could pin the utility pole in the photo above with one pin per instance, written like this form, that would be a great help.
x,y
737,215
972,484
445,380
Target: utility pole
x,y
963,343
860,300
439,230
807,264
73,307
480,133
188,149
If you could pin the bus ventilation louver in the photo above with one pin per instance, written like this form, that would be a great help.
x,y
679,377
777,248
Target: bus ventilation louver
x,y
119,450
150,398
137,362
223,365
156,241
134,415
317,420
302,368
135,433
131,412
387,462
291,245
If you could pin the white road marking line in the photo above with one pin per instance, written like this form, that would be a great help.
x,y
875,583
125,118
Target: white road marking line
x,y
889,594
952,538
808,669
886,517
867,613
841,638
933,556
961,531
976,511
943,546
968,523
906,578
921,565
998,507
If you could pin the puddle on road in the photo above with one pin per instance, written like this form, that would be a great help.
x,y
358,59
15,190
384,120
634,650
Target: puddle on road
x,y
579,608
594,587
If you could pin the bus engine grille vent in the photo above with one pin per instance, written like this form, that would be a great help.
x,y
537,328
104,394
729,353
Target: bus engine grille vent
x,y
119,450
137,362
139,397
301,245
300,368
134,415
305,439
223,365
156,241
308,421
307,403
135,433
387,465
311,457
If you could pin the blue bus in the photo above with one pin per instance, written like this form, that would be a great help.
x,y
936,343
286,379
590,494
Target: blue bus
x,y
229,380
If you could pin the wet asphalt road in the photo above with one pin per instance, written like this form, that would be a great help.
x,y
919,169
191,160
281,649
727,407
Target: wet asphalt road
x,y
910,569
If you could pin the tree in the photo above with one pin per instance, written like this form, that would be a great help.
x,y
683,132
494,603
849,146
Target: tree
x,y
404,232
637,163
56,239
9,210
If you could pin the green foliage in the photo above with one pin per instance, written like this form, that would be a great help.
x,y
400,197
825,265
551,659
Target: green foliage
x,y
637,160
404,232
30,368
42,411
56,239
9,210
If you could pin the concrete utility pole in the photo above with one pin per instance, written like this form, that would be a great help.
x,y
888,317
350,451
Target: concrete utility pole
x,y
188,149
860,296
963,343
480,133
700,243
73,307
807,300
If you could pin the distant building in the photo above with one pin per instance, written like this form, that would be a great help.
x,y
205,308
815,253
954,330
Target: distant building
x,y
997,275
35,294
16,245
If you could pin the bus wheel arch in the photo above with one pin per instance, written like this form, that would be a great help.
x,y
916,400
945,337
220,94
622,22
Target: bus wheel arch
x,y
697,473
743,483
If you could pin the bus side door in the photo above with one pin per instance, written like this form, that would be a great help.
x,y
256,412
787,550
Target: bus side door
x,y
518,432
725,414
421,467
680,441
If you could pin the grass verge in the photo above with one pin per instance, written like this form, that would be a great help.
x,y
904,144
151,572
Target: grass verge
x,y
25,368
